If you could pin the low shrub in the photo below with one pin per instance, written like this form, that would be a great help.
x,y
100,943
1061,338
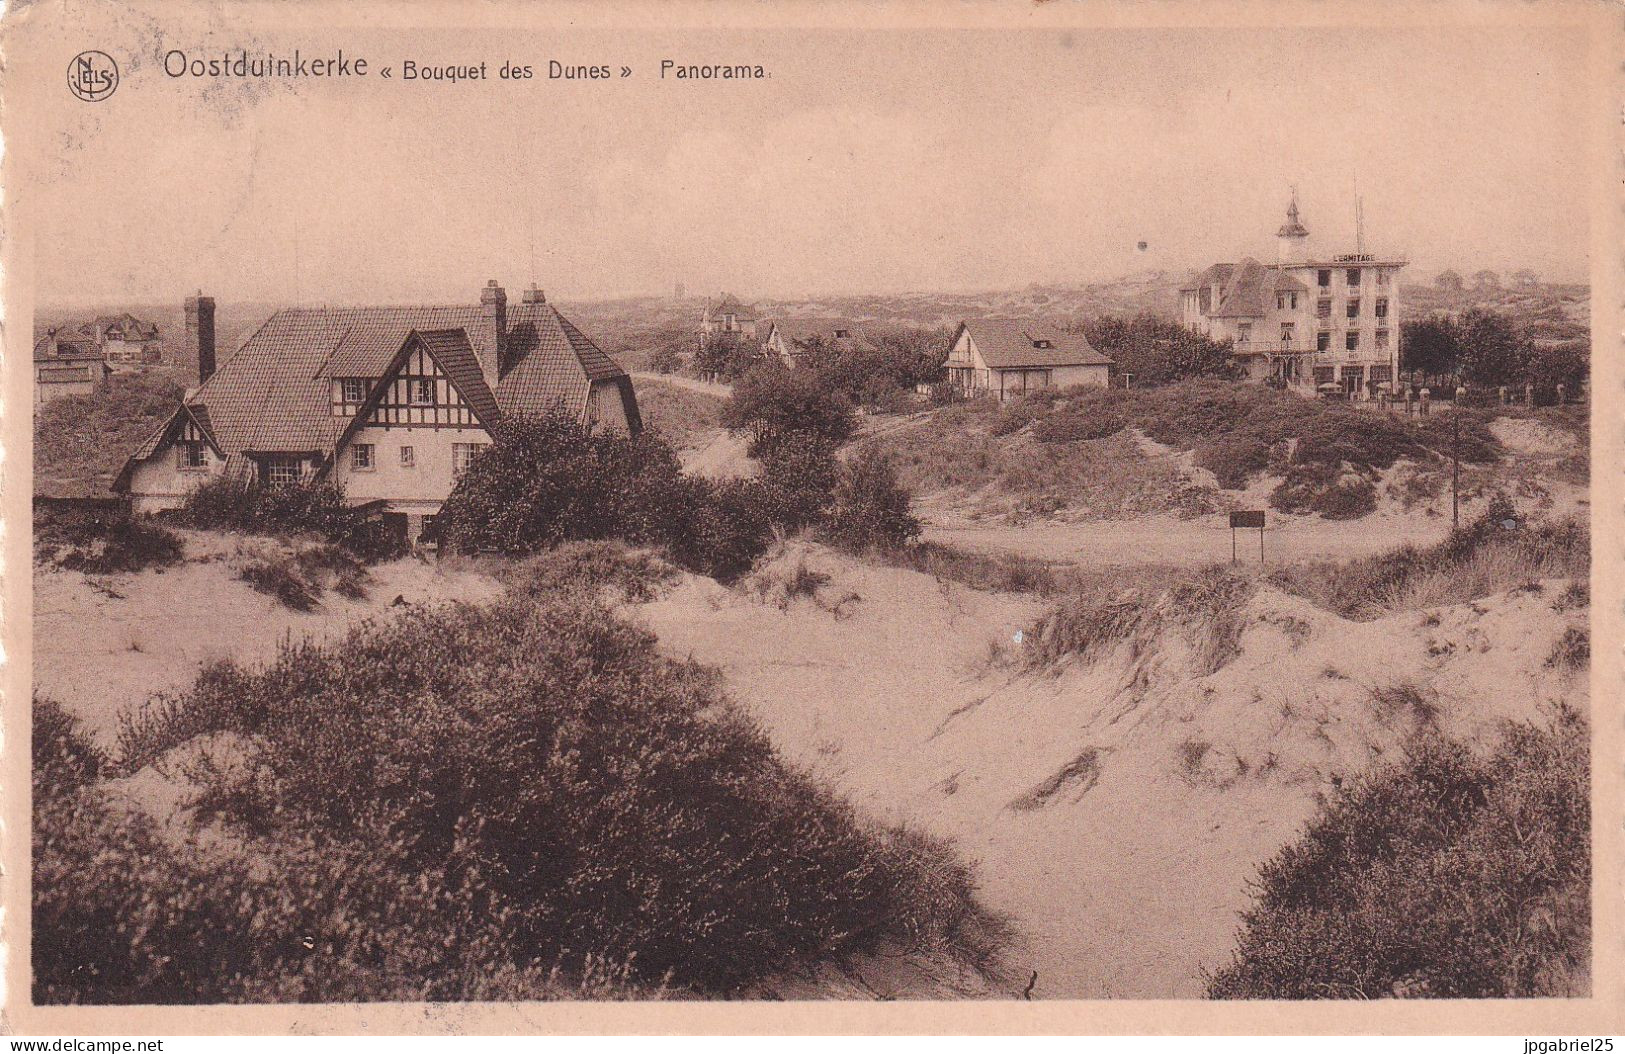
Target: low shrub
x,y
870,508
590,569
1449,874
1137,610
1572,650
299,577
279,577
561,794
1072,426
996,572
1482,558
106,543
63,758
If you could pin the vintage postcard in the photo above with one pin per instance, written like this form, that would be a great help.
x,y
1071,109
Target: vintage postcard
x,y
839,517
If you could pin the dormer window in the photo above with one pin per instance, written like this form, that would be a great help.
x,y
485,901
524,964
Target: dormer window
x,y
842,334
1043,344
354,389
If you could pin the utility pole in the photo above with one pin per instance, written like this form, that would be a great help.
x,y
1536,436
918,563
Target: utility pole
x,y
1455,466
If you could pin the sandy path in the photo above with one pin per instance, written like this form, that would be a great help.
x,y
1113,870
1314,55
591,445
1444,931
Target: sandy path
x,y
720,391
1172,541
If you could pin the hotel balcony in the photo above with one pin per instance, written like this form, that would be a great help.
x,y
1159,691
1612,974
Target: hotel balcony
x,y
1273,347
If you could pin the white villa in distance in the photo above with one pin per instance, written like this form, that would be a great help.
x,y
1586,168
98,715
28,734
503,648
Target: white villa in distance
x,y
1313,321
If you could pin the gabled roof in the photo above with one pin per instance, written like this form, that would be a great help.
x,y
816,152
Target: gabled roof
x,y
1251,285
1012,343
728,304
275,392
805,330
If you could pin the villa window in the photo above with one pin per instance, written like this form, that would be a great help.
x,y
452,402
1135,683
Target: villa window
x,y
1286,333
1354,308
462,455
1244,333
189,455
1351,340
1383,277
423,391
1354,276
408,457
354,389
1323,341
1382,307
1382,339
1324,278
1324,309
842,334
282,471
361,459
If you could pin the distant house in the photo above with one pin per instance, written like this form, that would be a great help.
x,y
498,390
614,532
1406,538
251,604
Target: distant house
x,y
1009,357
788,339
390,402
1486,280
1449,281
727,315
1525,279
124,341
67,363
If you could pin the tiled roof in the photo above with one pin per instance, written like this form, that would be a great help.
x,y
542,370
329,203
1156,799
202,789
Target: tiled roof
x,y
1008,344
728,304
451,350
1247,293
274,393
802,330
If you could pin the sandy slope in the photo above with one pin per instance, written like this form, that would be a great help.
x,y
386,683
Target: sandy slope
x,y
1114,812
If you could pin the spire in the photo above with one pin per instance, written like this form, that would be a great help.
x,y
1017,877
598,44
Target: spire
x,y
1292,228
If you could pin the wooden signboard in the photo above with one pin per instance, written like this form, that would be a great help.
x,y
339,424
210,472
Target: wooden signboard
x,y
1250,518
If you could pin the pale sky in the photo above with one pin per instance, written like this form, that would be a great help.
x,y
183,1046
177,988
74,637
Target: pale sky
x,y
949,160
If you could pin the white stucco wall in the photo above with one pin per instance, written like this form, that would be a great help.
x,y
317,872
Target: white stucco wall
x,y
157,483
425,484
1092,376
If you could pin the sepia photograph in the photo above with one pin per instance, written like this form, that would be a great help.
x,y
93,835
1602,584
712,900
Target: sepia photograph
x,y
858,504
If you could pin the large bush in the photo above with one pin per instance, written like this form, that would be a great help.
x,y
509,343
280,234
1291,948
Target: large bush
x,y
81,440
1451,874
548,480
870,508
774,405
555,793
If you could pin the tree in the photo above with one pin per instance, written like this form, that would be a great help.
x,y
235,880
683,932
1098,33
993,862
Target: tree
x,y
1492,350
778,405
871,509
1156,350
1430,345
1567,363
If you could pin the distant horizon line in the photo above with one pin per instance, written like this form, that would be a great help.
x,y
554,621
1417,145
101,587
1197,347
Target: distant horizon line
x,y
602,298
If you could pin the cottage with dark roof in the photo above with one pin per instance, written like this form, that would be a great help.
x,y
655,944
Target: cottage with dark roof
x,y
389,402
1006,357
1311,321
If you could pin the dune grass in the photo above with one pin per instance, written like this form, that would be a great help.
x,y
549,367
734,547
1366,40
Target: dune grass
x,y
501,802
1452,873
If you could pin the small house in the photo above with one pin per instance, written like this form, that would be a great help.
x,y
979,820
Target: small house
x,y
790,339
1009,357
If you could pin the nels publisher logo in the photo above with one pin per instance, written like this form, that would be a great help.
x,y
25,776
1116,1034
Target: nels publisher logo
x,y
92,75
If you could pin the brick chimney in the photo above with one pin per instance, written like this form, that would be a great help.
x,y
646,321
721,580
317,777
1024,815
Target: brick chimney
x,y
532,296
200,333
494,306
